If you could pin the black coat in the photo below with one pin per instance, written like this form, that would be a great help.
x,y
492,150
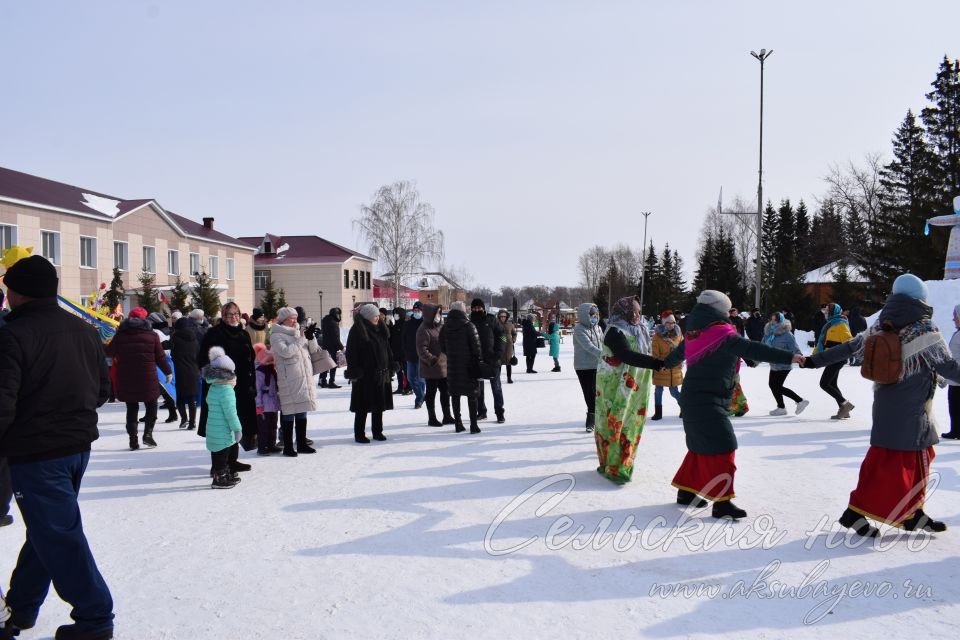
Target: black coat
x,y
396,339
530,336
330,332
53,376
460,341
858,324
490,333
409,339
369,367
236,343
754,327
185,351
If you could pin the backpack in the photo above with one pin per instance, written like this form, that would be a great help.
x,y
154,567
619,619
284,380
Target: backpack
x,y
882,360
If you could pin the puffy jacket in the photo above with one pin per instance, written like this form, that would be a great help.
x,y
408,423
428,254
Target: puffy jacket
x,y
460,341
295,386
782,339
223,425
257,332
330,332
433,361
530,336
268,396
53,376
587,339
662,344
490,333
136,354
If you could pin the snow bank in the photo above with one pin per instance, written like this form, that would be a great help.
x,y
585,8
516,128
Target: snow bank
x,y
943,296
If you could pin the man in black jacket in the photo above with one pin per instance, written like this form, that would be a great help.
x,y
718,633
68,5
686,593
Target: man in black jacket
x,y
331,343
408,340
53,377
491,349
754,325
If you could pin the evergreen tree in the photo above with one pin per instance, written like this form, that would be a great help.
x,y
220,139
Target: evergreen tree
x,y
942,123
855,235
282,298
785,242
803,235
204,295
844,291
728,277
652,283
826,236
179,296
269,303
115,293
706,264
678,283
768,248
147,296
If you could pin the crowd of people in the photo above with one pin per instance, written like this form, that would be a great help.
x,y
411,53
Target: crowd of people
x,y
254,381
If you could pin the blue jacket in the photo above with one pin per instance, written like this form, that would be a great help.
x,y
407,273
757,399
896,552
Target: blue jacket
x,y
782,339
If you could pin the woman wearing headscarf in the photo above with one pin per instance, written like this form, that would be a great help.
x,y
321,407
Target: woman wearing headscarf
x,y
778,333
895,472
623,390
530,336
835,331
712,348
587,349
369,365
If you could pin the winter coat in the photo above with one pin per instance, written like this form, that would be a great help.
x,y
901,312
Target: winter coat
x,y
739,325
553,337
709,382
902,411
587,340
955,352
661,345
53,376
530,336
460,341
754,327
369,365
257,332
396,339
330,332
858,324
268,396
236,344
490,333
782,339
223,425
291,352
185,351
433,361
136,354
509,338
409,339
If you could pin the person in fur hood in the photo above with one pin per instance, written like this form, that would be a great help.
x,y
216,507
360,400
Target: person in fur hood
x,y
778,333
894,474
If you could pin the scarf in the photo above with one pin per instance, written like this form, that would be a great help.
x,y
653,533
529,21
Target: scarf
x,y
704,342
663,332
622,310
771,331
834,319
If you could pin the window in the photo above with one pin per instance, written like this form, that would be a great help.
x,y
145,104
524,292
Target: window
x,y
260,279
88,252
267,246
214,267
230,273
356,282
8,236
368,280
194,263
149,259
120,258
173,262
346,278
50,246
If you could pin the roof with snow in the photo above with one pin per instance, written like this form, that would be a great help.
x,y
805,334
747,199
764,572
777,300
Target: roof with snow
x,y
827,274
286,250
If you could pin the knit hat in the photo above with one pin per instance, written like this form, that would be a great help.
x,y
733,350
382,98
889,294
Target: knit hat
x,y
33,277
220,360
664,314
458,306
477,302
909,285
369,311
669,318
285,312
715,299
156,318
263,355
418,305
256,314
138,312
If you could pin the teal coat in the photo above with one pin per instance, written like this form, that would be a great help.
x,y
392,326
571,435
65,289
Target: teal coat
x,y
223,425
708,384
554,339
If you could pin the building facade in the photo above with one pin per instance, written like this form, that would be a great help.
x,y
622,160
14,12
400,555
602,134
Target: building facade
x,y
85,234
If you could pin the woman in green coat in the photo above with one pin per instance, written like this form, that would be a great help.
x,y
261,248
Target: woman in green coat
x,y
553,337
712,348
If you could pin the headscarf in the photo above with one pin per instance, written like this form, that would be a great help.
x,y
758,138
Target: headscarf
x,y
771,329
620,318
834,318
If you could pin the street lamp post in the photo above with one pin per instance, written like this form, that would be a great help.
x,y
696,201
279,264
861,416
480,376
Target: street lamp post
x,y
643,267
320,293
762,56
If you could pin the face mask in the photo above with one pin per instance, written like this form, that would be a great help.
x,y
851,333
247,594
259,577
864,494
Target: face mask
x,y
594,320
437,320
396,316
417,315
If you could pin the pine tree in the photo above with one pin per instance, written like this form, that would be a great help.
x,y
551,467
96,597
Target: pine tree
x,y
855,236
269,303
942,123
728,277
785,242
179,296
652,283
803,235
282,298
147,296
706,264
115,294
768,248
204,295
678,283
844,291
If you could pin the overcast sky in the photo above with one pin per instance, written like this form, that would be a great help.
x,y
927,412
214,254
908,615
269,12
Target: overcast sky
x,y
535,129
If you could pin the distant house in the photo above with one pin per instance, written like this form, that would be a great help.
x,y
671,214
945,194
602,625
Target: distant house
x,y
85,234
433,287
818,283
314,273
383,294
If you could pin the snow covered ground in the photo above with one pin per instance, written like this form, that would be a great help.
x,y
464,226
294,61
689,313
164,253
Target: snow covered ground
x,y
412,538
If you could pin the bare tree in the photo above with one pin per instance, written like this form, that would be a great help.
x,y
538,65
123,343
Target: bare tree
x,y
628,261
743,230
593,264
398,227
857,188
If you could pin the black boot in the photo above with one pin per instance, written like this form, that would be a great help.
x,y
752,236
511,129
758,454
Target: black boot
x,y
726,509
360,428
853,520
182,411
192,414
472,406
658,412
224,480
301,430
922,522
148,435
376,425
591,422
264,441
237,466
432,417
286,429
687,498
951,435
173,417
132,433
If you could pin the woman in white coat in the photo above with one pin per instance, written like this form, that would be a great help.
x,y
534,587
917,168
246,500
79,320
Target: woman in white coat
x,y
295,387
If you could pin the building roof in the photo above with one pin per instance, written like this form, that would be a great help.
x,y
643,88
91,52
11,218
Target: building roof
x,y
300,250
827,274
23,188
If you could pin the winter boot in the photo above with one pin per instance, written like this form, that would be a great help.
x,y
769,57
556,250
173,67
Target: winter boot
x,y
301,431
148,435
658,412
591,422
286,429
264,439
173,417
922,522
951,435
432,417
224,480
853,520
376,425
474,416
844,411
73,632
726,509
500,418
134,442
192,414
688,498
236,466
360,428
184,421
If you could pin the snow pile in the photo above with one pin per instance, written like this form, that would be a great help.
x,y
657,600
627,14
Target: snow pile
x,y
105,206
943,296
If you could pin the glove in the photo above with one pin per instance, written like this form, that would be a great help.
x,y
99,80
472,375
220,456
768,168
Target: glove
x,y
259,411
169,378
310,331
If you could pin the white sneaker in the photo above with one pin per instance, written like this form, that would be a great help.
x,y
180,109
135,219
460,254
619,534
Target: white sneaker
x,y
803,404
780,411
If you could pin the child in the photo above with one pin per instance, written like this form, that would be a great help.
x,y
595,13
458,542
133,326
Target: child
x,y
223,425
268,402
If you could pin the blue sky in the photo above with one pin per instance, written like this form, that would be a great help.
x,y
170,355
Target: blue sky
x,y
536,129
